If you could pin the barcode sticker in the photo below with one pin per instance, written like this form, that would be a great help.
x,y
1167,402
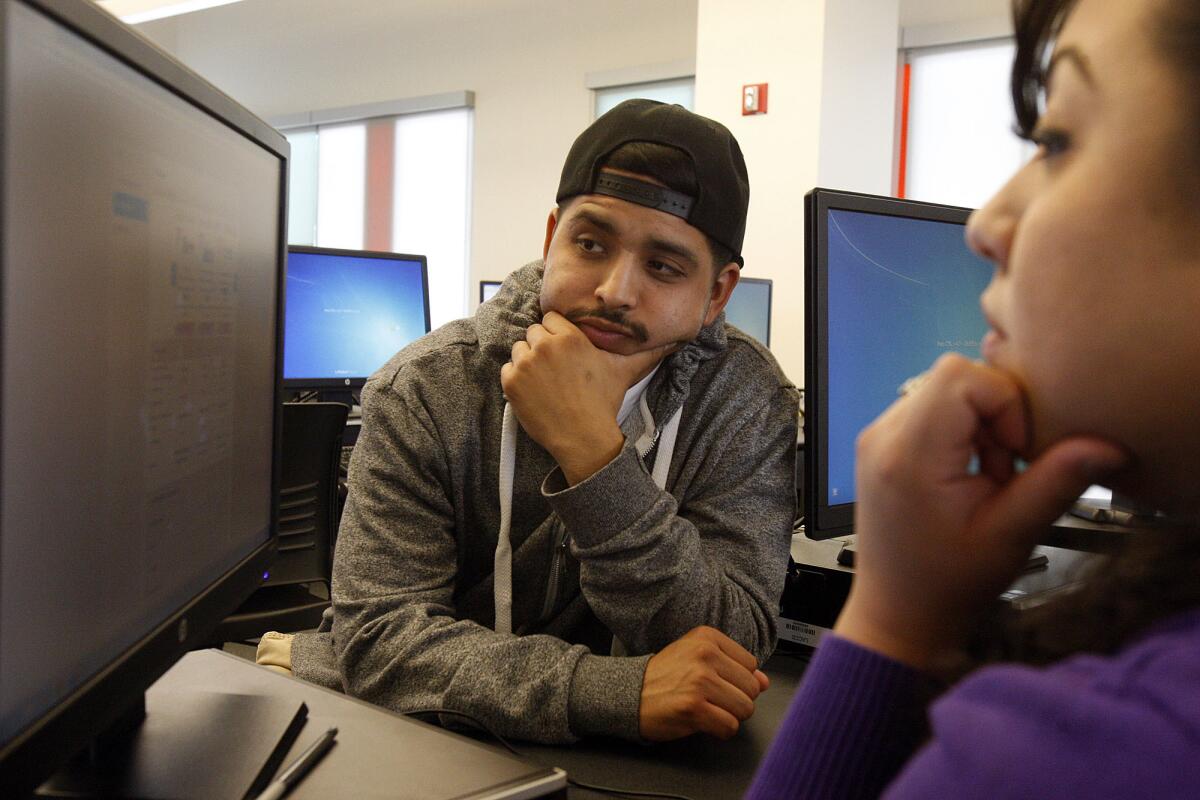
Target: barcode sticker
x,y
800,632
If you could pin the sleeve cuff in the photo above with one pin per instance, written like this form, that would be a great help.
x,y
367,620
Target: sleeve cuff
x,y
607,502
850,687
606,694
837,656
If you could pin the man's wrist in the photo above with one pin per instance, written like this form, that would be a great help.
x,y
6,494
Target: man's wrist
x,y
583,457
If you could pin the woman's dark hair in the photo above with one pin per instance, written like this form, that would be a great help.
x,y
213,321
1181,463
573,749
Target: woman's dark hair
x,y
1153,576
1157,573
673,169
1036,24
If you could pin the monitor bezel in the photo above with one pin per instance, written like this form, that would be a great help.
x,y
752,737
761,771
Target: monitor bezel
x,y
770,301
356,382
821,519
483,284
97,703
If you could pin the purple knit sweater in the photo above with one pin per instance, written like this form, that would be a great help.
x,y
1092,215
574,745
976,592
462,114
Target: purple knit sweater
x,y
1090,726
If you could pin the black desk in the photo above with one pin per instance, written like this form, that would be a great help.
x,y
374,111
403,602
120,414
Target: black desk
x,y
698,767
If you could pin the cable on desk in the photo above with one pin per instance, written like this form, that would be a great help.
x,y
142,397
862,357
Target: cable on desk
x,y
576,783
624,792
470,718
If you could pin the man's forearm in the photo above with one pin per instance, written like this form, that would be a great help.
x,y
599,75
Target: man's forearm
x,y
413,658
652,571
648,574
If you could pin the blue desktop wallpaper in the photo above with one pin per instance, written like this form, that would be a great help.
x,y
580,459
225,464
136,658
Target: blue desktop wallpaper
x,y
749,309
347,315
901,293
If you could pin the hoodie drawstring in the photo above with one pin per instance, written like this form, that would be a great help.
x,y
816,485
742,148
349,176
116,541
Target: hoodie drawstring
x,y
502,565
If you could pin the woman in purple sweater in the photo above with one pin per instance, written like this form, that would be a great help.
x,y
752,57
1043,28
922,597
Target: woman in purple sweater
x,y
1092,374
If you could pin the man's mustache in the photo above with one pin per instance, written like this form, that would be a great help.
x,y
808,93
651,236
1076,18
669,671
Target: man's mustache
x,y
636,331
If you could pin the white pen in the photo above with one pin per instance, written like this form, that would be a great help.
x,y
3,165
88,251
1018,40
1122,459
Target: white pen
x,y
298,768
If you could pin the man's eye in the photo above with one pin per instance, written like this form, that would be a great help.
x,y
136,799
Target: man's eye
x,y
664,269
588,245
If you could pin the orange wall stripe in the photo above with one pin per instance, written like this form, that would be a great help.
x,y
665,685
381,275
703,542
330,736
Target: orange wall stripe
x,y
903,170
381,169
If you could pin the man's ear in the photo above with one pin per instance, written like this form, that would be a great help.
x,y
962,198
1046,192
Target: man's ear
x,y
551,226
722,290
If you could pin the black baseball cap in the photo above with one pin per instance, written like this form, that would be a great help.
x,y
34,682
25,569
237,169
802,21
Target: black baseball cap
x,y
723,196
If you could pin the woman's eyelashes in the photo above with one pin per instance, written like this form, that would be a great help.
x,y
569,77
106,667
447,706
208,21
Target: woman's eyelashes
x,y
1050,141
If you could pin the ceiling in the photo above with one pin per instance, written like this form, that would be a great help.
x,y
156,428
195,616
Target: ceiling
x,y
135,11
913,13
918,13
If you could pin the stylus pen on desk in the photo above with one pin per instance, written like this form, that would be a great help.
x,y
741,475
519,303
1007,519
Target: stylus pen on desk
x,y
298,768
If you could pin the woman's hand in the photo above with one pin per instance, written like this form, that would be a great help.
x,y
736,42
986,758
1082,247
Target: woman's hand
x,y
938,541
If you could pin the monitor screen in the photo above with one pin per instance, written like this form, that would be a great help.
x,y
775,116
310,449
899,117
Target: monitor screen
x,y
142,257
348,312
749,308
487,290
890,285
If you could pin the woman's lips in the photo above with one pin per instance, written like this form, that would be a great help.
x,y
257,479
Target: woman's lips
x,y
989,348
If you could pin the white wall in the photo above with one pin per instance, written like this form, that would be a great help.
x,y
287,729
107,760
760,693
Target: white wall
x,y
858,95
831,70
778,42
524,59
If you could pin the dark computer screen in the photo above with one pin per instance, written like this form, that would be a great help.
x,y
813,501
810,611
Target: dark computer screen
x,y
749,308
890,286
348,312
487,290
142,259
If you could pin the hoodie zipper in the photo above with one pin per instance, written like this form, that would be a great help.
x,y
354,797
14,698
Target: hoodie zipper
x,y
558,568
558,562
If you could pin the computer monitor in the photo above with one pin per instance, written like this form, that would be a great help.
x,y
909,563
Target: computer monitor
x,y
348,312
749,308
141,262
889,286
487,290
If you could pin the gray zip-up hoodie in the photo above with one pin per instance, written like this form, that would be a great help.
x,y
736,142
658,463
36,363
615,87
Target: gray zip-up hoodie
x,y
613,557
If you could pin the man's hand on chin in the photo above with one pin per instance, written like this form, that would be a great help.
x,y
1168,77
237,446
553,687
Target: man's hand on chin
x,y
566,392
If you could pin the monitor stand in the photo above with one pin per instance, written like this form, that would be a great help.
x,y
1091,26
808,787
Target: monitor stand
x,y
346,397
181,744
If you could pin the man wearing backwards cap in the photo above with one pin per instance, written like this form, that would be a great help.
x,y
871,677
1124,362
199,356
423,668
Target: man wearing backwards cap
x,y
570,515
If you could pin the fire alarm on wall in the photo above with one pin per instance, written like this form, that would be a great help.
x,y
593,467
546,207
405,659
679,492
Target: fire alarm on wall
x,y
754,99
